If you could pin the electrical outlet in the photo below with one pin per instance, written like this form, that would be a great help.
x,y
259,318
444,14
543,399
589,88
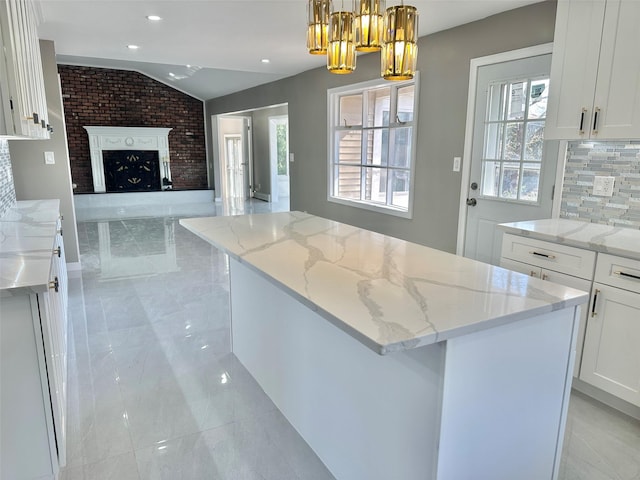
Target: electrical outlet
x,y
49,158
456,164
603,186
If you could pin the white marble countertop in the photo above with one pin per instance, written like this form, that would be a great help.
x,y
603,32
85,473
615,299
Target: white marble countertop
x,y
27,235
591,236
388,293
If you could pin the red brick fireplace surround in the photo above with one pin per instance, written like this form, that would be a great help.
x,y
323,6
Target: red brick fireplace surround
x,y
120,98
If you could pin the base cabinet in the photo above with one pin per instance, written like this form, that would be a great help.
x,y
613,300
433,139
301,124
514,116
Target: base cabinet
x,y
611,358
33,375
552,262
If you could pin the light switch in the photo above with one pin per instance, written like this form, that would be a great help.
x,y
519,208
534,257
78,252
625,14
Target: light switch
x,y
603,186
456,164
49,159
291,159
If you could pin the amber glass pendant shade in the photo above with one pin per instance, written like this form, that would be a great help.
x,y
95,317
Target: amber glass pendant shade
x,y
341,54
318,26
369,23
400,43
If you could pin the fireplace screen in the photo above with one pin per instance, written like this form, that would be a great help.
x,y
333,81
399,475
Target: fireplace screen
x,y
131,170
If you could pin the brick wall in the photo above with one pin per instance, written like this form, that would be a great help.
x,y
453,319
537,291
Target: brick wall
x,y
119,98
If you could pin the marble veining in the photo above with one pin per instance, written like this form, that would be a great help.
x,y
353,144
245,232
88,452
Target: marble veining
x,y
388,293
27,234
597,237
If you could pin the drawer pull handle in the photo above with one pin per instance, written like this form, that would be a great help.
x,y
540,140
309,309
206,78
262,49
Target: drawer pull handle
x,y
545,276
55,284
57,251
628,275
533,273
595,300
545,255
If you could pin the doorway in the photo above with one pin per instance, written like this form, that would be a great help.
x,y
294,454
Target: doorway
x,y
279,156
260,137
235,154
510,170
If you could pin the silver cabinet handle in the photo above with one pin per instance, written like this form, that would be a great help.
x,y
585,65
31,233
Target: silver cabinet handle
x,y
545,255
628,275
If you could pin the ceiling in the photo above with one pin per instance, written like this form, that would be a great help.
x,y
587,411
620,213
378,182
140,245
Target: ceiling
x,y
210,48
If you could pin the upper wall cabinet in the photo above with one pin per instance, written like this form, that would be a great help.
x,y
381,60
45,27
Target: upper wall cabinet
x,y
23,104
595,71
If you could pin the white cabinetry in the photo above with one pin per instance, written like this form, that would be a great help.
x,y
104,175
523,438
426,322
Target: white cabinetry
x,y
611,359
33,373
23,111
595,71
569,266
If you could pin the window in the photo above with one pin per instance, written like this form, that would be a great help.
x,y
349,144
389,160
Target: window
x,y
372,145
514,134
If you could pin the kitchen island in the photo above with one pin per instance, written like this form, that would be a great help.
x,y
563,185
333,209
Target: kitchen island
x,y
395,360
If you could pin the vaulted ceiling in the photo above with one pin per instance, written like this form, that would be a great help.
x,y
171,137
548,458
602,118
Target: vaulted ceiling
x,y
210,48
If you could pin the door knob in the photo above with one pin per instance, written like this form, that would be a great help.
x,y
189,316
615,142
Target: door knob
x,y
474,186
472,202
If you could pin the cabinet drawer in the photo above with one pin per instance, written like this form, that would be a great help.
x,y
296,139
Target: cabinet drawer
x,y
560,258
618,272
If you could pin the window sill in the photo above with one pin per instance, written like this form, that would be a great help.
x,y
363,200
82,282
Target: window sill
x,y
387,210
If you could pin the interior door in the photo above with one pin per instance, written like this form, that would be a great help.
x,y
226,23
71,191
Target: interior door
x,y
512,168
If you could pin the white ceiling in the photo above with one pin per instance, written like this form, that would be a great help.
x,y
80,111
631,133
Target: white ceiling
x,y
213,47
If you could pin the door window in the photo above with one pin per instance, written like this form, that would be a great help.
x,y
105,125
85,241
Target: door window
x,y
513,139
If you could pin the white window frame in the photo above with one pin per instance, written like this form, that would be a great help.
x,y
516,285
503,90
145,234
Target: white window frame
x,y
333,106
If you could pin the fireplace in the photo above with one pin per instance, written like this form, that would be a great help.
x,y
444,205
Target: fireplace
x,y
129,158
131,170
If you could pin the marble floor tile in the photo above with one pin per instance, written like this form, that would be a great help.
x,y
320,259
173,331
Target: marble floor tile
x,y
154,391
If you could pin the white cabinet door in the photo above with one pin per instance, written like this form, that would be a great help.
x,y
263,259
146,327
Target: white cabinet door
x,y
595,71
611,356
578,284
617,96
24,107
574,68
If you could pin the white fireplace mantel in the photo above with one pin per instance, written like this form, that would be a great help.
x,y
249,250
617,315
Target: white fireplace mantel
x,y
126,138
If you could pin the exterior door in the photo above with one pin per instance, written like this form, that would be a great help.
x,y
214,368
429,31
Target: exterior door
x,y
512,168
235,146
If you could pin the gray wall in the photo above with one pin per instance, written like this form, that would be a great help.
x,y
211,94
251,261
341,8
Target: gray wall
x,y
443,63
261,147
33,179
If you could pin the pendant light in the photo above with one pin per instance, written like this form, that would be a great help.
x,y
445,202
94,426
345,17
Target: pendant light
x,y
318,26
369,23
400,43
341,53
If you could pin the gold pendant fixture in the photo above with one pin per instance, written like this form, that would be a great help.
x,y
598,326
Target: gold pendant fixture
x,y
369,24
317,26
400,43
338,34
341,54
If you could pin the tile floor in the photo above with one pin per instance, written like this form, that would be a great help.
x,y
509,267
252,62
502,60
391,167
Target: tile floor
x,y
155,392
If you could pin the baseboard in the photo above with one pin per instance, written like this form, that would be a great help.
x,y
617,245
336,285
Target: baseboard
x,y
606,398
262,196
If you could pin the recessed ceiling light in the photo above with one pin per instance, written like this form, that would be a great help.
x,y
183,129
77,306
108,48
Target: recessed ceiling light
x,y
171,74
154,18
265,60
133,47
